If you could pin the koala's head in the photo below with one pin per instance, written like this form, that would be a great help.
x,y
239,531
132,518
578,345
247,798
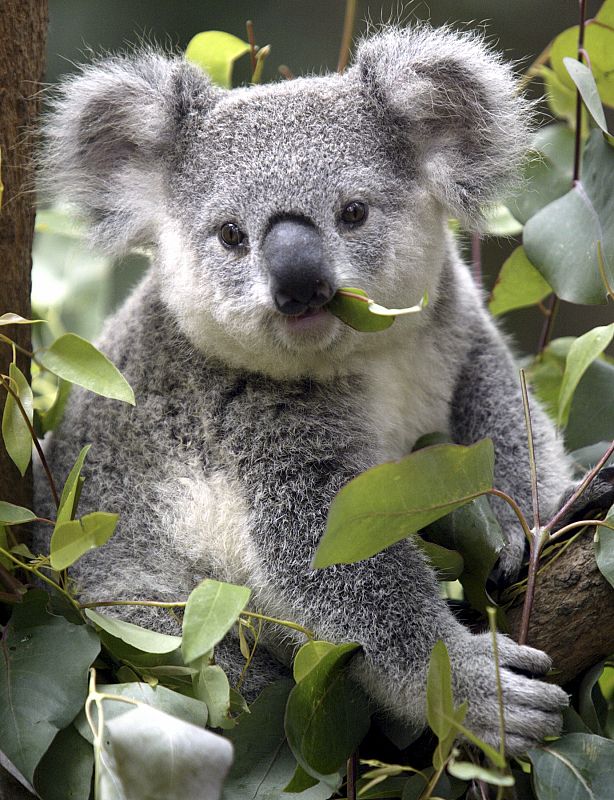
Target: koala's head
x,y
261,202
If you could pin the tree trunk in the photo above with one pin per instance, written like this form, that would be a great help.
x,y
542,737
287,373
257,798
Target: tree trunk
x,y
573,613
23,30
23,33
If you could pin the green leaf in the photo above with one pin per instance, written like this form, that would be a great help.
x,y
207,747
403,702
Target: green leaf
x,y
439,700
599,43
51,419
327,714
500,222
582,76
309,656
15,431
16,319
561,239
177,705
591,704
518,285
604,549
76,360
150,754
134,635
605,15
300,781
561,99
264,764
448,564
211,611
355,312
15,515
392,501
578,766
70,757
584,350
548,171
68,498
467,771
215,52
43,679
212,688
70,540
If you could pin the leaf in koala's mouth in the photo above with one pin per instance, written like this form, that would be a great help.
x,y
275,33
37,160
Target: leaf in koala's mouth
x,y
356,309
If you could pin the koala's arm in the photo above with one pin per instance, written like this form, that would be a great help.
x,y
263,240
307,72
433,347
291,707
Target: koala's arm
x,y
487,402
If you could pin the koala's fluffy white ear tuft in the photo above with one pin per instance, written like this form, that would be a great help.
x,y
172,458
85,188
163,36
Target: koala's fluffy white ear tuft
x,y
110,137
450,107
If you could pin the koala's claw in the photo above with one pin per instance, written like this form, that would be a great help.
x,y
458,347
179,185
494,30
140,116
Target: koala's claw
x,y
532,707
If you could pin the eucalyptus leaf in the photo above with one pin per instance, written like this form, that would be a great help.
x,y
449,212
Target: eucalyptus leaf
x,y
561,99
212,688
582,76
70,540
50,419
604,548
177,705
327,714
518,285
41,651
592,706
264,764
15,515
309,655
148,753
448,564
467,771
439,700
15,430
67,507
215,52
392,501
16,319
300,781
599,43
561,239
76,360
134,635
211,611
584,350
71,757
579,766
354,311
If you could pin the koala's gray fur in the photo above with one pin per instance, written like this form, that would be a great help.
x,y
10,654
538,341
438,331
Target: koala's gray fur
x,y
244,428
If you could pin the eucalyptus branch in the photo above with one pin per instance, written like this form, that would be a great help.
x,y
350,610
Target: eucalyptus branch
x,y
346,36
5,380
531,448
586,482
41,576
578,131
249,25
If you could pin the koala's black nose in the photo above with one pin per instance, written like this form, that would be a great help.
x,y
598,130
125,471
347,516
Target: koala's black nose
x,y
298,273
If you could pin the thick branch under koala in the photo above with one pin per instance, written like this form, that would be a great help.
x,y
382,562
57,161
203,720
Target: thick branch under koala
x,y
573,613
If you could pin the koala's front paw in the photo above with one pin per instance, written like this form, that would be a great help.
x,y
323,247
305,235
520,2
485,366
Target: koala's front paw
x,y
532,707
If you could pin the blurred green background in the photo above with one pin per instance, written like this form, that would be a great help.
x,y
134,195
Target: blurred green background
x,y
77,288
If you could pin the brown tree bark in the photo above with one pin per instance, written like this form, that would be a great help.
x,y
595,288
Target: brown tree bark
x,y
573,613
23,31
23,34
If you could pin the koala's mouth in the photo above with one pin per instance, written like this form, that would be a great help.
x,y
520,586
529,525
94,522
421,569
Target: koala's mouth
x,y
312,319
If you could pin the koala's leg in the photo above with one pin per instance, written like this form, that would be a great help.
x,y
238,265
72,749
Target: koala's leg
x,y
487,402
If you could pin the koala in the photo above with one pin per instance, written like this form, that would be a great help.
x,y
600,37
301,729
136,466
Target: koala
x,y
255,405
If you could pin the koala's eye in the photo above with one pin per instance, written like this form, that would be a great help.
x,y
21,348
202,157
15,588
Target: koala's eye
x,y
231,235
355,213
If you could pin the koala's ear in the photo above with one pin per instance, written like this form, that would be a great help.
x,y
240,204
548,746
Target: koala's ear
x,y
111,136
450,108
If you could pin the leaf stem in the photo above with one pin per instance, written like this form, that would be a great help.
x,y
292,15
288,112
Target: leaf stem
x,y
41,576
586,482
5,380
516,509
346,36
581,523
495,648
249,26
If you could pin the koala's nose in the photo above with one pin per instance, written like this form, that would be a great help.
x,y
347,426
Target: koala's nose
x,y
299,278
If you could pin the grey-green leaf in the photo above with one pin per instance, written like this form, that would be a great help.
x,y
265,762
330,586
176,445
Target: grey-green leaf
x,y
392,501
15,515
604,548
518,285
76,360
70,757
15,430
134,635
149,753
327,714
582,76
584,350
439,700
212,609
579,766
348,305
561,239
68,498
70,540
41,651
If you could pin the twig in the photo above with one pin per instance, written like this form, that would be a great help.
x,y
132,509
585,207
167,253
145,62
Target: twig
x,y
346,36
249,25
539,540
531,448
550,311
586,482
578,131
7,385
352,775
